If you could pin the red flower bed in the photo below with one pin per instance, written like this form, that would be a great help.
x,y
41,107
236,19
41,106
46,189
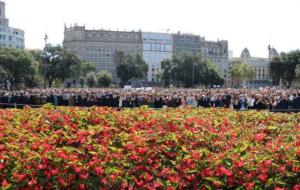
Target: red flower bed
x,y
100,148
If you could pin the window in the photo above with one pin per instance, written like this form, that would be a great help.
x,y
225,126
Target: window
x,y
157,48
147,47
10,38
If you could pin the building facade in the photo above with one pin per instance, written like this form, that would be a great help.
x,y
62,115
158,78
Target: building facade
x,y
9,37
261,67
99,46
217,53
186,43
156,48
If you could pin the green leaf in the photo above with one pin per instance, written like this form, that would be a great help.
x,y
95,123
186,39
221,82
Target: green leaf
x,y
227,162
270,183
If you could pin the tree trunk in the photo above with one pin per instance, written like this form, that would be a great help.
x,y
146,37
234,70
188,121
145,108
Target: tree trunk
x,y
50,83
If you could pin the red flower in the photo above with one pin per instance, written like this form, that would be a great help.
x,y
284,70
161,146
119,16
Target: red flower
x,y
278,188
259,137
62,155
138,183
296,187
84,176
238,164
263,177
141,150
99,170
82,186
32,182
2,147
174,178
54,172
42,166
225,171
5,184
34,147
2,166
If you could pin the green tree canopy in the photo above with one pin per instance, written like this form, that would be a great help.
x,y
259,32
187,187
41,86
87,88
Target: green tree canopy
x,y
241,72
129,67
60,64
18,66
283,68
91,79
188,70
86,67
104,79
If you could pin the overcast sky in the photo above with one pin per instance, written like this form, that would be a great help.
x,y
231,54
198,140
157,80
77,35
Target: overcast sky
x,y
244,23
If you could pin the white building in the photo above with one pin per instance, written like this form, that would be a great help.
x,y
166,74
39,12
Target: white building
x,y
156,48
9,37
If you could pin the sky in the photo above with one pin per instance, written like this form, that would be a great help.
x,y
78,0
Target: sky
x,y
244,23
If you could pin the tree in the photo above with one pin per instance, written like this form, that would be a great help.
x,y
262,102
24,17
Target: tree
x,y
166,75
17,66
297,71
241,73
104,79
86,67
188,70
129,67
211,75
283,68
60,64
276,68
290,61
91,79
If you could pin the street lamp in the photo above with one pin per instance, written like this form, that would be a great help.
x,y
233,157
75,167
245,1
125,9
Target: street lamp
x,y
193,74
45,54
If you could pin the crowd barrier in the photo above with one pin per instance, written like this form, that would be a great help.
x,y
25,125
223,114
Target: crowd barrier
x,y
20,106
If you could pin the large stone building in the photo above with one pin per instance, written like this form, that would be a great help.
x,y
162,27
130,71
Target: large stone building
x,y
261,67
99,46
156,48
217,53
9,37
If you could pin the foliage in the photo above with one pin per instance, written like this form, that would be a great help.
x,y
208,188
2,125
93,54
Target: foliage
x,y
129,67
104,79
241,73
188,70
60,64
91,79
102,148
283,68
276,68
297,72
86,67
17,66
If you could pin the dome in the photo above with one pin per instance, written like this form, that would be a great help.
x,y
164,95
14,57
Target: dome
x,y
245,53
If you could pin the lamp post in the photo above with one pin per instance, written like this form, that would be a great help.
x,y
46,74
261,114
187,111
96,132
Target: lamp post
x,y
193,74
269,69
45,59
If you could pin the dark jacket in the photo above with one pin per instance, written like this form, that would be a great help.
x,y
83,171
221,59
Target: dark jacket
x,y
296,103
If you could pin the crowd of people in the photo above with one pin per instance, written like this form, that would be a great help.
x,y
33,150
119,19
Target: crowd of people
x,y
239,99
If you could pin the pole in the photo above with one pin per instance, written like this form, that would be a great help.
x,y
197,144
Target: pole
x,y
45,54
193,74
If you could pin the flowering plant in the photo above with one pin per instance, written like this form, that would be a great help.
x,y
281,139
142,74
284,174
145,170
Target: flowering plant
x,y
101,148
